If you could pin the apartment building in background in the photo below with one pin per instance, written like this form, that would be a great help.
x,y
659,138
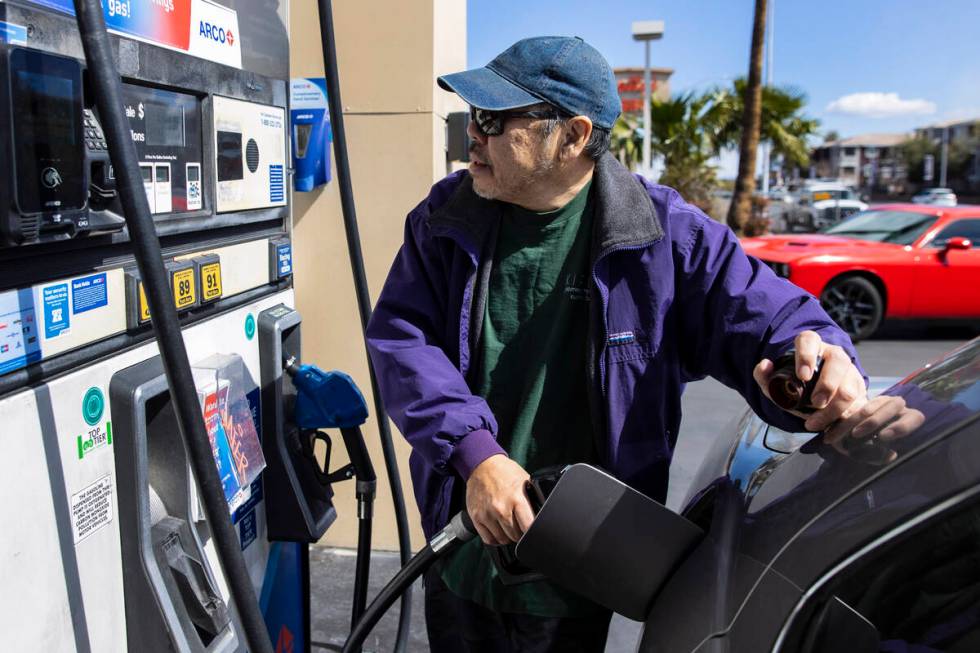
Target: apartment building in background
x,y
958,130
864,161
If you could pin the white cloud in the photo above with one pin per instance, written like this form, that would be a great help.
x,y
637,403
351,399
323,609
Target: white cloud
x,y
880,105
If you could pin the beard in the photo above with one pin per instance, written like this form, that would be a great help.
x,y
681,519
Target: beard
x,y
511,186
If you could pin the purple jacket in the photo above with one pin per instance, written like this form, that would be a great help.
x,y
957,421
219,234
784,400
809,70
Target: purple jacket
x,y
674,299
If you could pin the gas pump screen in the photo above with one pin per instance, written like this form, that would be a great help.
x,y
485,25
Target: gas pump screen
x,y
164,124
47,101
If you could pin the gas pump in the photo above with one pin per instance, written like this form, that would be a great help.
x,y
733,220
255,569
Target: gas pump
x,y
113,538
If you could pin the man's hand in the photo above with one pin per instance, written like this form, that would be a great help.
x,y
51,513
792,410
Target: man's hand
x,y
840,391
496,501
880,421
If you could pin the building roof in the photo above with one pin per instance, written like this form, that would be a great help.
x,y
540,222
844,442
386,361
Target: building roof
x,y
867,140
950,123
639,71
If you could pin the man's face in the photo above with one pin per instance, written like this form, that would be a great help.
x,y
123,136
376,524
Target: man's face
x,y
508,166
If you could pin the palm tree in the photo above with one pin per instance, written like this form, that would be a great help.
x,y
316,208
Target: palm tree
x,y
780,120
683,131
741,206
626,141
689,129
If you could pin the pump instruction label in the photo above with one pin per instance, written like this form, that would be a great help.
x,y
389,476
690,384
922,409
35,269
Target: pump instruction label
x,y
56,317
91,509
88,293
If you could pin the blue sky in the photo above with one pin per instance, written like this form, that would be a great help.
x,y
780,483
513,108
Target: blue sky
x,y
920,59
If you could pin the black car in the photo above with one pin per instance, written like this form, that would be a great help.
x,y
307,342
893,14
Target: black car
x,y
869,545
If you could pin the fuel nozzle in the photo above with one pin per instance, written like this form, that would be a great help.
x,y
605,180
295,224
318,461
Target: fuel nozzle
x,y
332,400
324,399
787,390
290,364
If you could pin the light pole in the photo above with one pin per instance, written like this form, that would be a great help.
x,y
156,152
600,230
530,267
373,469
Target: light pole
x,y
767,146
646,31
944,157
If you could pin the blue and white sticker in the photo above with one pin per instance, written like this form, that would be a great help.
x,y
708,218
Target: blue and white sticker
x,y
12,33
57,319
277,190
284,259
244,516
247,530
88,293
19,342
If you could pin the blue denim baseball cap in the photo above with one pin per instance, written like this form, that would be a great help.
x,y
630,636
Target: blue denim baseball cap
x,y
565,72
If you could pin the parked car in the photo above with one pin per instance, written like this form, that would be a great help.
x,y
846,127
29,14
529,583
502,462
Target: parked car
x,y
870,545
780,194
935,196
893,261
814,207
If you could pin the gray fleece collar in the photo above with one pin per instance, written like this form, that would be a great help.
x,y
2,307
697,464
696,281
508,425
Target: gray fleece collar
x,y
624,215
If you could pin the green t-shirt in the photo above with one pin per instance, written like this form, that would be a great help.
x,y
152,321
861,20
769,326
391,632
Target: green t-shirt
x,y
532,372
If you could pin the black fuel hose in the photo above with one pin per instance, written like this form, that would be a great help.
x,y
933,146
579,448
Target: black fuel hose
x,y
459,530
149,259
331,69
365,491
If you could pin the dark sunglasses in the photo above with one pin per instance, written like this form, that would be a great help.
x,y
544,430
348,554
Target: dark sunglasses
x,y
491,123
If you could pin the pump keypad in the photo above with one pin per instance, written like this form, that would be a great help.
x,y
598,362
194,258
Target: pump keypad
x,y
94,138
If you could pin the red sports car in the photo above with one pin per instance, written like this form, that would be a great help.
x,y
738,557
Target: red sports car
x,y
895,261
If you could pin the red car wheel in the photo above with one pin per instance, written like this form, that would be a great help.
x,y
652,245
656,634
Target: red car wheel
x,y
855,304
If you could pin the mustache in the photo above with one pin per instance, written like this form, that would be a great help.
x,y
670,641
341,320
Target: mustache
x,y
474,149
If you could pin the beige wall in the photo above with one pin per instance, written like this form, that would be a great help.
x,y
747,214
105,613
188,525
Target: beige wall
x,y
389,53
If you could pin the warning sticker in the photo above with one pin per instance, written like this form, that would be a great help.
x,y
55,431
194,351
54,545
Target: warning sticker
x,y
91,509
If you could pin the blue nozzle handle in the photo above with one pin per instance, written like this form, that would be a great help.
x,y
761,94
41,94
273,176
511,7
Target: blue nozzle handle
x,y
327,399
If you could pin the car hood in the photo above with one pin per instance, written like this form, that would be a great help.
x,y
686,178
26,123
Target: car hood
x,y
789,246
776,482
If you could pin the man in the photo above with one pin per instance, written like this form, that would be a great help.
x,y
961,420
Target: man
x,y
546,308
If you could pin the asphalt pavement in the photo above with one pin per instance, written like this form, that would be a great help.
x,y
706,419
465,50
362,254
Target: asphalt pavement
x,y
708,408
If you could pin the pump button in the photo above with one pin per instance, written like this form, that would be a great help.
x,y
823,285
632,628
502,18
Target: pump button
x,y
183,285
280,259
209,277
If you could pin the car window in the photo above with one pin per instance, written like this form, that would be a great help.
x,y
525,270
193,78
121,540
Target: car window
x,y
899,227
959,229
920,591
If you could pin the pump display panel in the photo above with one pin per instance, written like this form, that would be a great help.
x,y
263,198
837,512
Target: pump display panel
x,y
166,129
61,185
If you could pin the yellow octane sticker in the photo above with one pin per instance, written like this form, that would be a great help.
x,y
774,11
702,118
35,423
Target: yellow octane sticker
x,y
211,281
144,306
185,294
